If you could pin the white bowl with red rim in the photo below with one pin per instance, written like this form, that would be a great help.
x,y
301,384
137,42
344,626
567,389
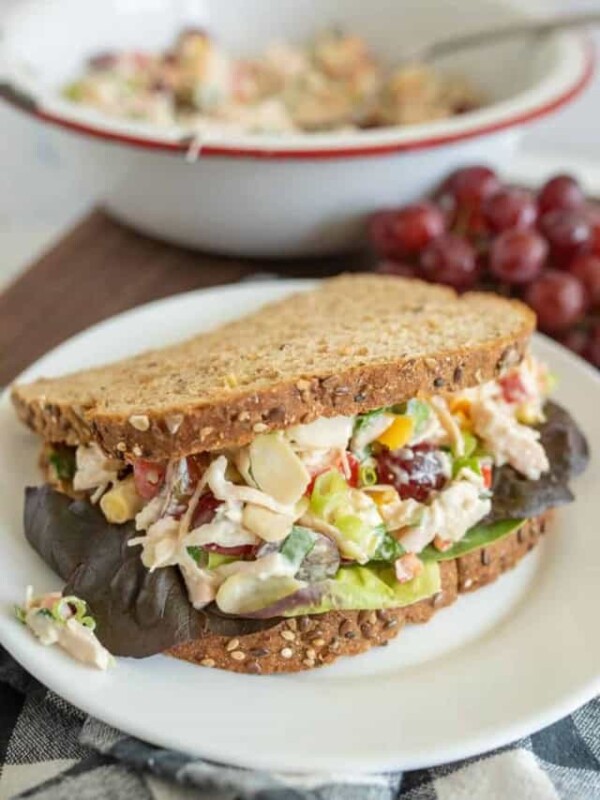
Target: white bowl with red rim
x,y
277,195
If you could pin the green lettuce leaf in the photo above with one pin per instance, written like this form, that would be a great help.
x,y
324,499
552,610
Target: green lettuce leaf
x,y
371,587
478,536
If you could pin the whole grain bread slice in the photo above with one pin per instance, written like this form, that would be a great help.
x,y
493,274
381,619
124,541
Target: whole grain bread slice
x,y
313,641
355,343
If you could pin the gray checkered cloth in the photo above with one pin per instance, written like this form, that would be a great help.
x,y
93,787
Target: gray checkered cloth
x,y
51,751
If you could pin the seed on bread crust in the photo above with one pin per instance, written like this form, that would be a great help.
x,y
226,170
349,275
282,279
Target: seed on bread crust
x,y
173,423
238,655
140,422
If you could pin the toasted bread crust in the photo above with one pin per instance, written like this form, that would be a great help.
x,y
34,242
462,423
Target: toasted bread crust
x,y
268,372
314,641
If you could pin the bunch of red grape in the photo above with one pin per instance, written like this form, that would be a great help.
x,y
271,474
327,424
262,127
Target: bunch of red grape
x,y
476,232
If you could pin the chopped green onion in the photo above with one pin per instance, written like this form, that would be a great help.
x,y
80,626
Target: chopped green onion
x,y
471,462
329,491
20,614
197,553
88,622
352,527
215,560
470,443
360,539
76,602
367,475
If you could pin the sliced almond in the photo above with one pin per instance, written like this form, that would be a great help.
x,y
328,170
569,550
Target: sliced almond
x,y
241,458
267,524
277,469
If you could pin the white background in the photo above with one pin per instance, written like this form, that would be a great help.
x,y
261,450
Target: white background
x,y
39,199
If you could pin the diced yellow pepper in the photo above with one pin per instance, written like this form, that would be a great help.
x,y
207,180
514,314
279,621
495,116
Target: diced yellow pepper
x,y
384,496
460,404
398,434
463,421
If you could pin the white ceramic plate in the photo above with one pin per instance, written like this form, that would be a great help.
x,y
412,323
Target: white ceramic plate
x,y
499,664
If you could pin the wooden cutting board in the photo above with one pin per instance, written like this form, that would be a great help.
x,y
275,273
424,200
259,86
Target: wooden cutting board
x,y
101,268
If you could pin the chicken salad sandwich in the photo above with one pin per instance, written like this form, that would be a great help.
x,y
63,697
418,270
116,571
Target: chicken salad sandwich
x,y
296,485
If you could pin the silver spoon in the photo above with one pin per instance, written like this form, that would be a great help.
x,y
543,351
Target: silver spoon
x,y
527,27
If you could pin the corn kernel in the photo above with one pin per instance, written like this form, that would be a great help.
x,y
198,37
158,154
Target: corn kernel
x,y
398,434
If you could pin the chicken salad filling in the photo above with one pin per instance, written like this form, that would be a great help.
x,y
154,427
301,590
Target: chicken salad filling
x,y
330,83
342,512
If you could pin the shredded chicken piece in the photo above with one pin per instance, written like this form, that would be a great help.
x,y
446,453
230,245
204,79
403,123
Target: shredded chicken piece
x,y
453,511
95,470
447,421
160,544
507,440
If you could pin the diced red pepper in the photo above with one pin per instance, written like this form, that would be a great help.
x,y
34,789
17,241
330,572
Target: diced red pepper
x,y
354,465
486,471
513,390
441,544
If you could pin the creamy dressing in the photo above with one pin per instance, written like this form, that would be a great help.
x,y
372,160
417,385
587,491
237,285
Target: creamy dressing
x,y
249,581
